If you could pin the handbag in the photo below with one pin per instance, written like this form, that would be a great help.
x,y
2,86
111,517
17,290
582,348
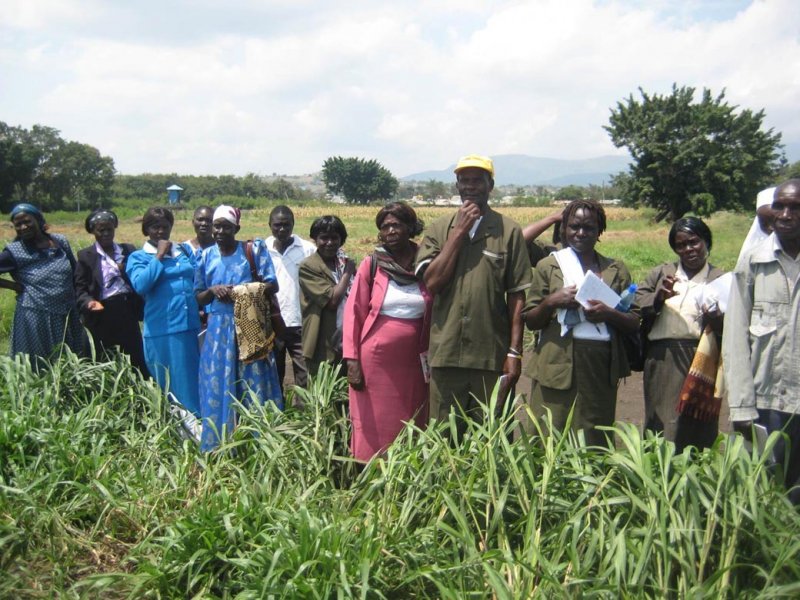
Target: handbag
x,y
275,317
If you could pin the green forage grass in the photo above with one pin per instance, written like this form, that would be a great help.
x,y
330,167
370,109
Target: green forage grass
x,y
101,497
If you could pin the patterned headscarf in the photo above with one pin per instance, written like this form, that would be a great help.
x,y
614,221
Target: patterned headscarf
x,y
228,213
30,209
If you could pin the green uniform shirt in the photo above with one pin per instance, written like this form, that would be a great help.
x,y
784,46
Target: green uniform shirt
x,y
470,327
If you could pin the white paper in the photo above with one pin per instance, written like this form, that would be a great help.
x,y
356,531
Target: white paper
x,y
594,288
716,293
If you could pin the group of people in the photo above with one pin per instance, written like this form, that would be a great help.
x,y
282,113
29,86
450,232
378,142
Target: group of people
x,y
425,330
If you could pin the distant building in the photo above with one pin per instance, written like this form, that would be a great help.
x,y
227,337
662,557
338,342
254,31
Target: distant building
x,y
174,194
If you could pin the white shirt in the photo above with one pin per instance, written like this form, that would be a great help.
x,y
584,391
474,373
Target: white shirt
x,y
287,270
403,301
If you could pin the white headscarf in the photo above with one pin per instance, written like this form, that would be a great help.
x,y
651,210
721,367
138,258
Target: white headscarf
x,y
756,235
228,213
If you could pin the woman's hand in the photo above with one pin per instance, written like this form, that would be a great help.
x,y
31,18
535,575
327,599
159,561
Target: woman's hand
x,y
12,285
665,290
355,377
223,293
598,312
95,306
563,298
164,248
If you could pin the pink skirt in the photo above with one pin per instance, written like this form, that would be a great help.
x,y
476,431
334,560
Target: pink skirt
x,y
394,389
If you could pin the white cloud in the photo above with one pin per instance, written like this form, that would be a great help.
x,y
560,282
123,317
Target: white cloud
x,y
412,84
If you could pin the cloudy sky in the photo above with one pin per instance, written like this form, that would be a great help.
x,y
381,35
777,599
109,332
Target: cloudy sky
x,y
234,86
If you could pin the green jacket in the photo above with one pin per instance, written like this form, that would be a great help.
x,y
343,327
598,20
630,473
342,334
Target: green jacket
x,y
319,322
552,360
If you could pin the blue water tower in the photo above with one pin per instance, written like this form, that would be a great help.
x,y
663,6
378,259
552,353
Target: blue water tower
x,y
174,194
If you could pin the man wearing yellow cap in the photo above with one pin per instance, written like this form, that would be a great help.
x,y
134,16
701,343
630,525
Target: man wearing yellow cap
x,y
476,264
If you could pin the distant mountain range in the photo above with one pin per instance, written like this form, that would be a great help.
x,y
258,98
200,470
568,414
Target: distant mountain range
x,y
520,169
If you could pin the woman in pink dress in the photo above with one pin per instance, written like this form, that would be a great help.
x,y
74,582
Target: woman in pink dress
x,y
386,325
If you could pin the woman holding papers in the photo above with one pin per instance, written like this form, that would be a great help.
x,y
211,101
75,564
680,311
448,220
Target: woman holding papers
x,y
671,305
579,357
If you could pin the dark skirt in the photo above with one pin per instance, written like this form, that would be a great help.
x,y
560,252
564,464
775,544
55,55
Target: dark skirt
x,y
117,325
594,398
665,369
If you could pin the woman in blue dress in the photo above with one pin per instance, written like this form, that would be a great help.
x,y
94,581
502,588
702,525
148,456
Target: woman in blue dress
x,y
224,378
163,274
41,265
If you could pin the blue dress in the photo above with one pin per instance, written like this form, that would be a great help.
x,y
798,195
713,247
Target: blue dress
x,y
223,378
46,313
171,320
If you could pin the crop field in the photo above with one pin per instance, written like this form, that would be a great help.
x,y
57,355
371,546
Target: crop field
x,y
101,497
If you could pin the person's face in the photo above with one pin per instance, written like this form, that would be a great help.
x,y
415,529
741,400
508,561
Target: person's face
x,y
225,232
26,227
394,233
691,249
159,230
764,215
201,222
582,231
328,244
474,184
104,233
786,214
281,226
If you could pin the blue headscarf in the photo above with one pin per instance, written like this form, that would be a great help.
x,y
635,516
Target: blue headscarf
x,y
30,209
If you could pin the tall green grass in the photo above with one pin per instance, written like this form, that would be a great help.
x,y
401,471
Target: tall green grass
x,y
100,497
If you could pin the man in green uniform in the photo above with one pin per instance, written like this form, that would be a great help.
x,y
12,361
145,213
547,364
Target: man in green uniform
x,y
476,264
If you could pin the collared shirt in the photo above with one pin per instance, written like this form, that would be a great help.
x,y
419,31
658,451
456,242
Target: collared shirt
x,y
470,326
790,264
761,345
287,269
113,282
681,316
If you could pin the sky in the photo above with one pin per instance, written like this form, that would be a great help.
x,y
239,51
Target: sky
x,y
277,86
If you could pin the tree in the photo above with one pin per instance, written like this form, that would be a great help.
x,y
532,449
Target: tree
x,y
359,181
682,148
571,192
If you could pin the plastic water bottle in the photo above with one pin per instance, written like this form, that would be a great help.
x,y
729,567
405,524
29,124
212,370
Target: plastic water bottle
x,y
627,297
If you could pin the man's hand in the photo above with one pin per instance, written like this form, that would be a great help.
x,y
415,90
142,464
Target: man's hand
x,y
355,377
512,367
467,214
95,305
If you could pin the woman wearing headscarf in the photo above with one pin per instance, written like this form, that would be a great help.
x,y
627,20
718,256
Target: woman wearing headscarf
x,y
111,310
162,273
224,281
386,325
41,265
762,223
674,319
325,279
579,358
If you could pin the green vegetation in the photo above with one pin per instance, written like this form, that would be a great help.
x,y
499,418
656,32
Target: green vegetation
x,y
692,156
101,497
360,181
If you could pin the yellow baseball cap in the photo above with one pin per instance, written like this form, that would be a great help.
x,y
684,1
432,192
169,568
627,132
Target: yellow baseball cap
x,y
475,160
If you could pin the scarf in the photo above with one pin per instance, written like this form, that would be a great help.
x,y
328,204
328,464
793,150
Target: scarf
x,y
392,268
703,389
571,318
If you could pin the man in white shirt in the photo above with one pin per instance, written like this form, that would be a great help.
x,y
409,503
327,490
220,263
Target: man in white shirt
x,y
287,252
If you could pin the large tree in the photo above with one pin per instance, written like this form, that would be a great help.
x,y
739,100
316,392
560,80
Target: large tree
x,y
359,181
693,155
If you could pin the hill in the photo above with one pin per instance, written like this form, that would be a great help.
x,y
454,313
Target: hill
x,y
520,169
